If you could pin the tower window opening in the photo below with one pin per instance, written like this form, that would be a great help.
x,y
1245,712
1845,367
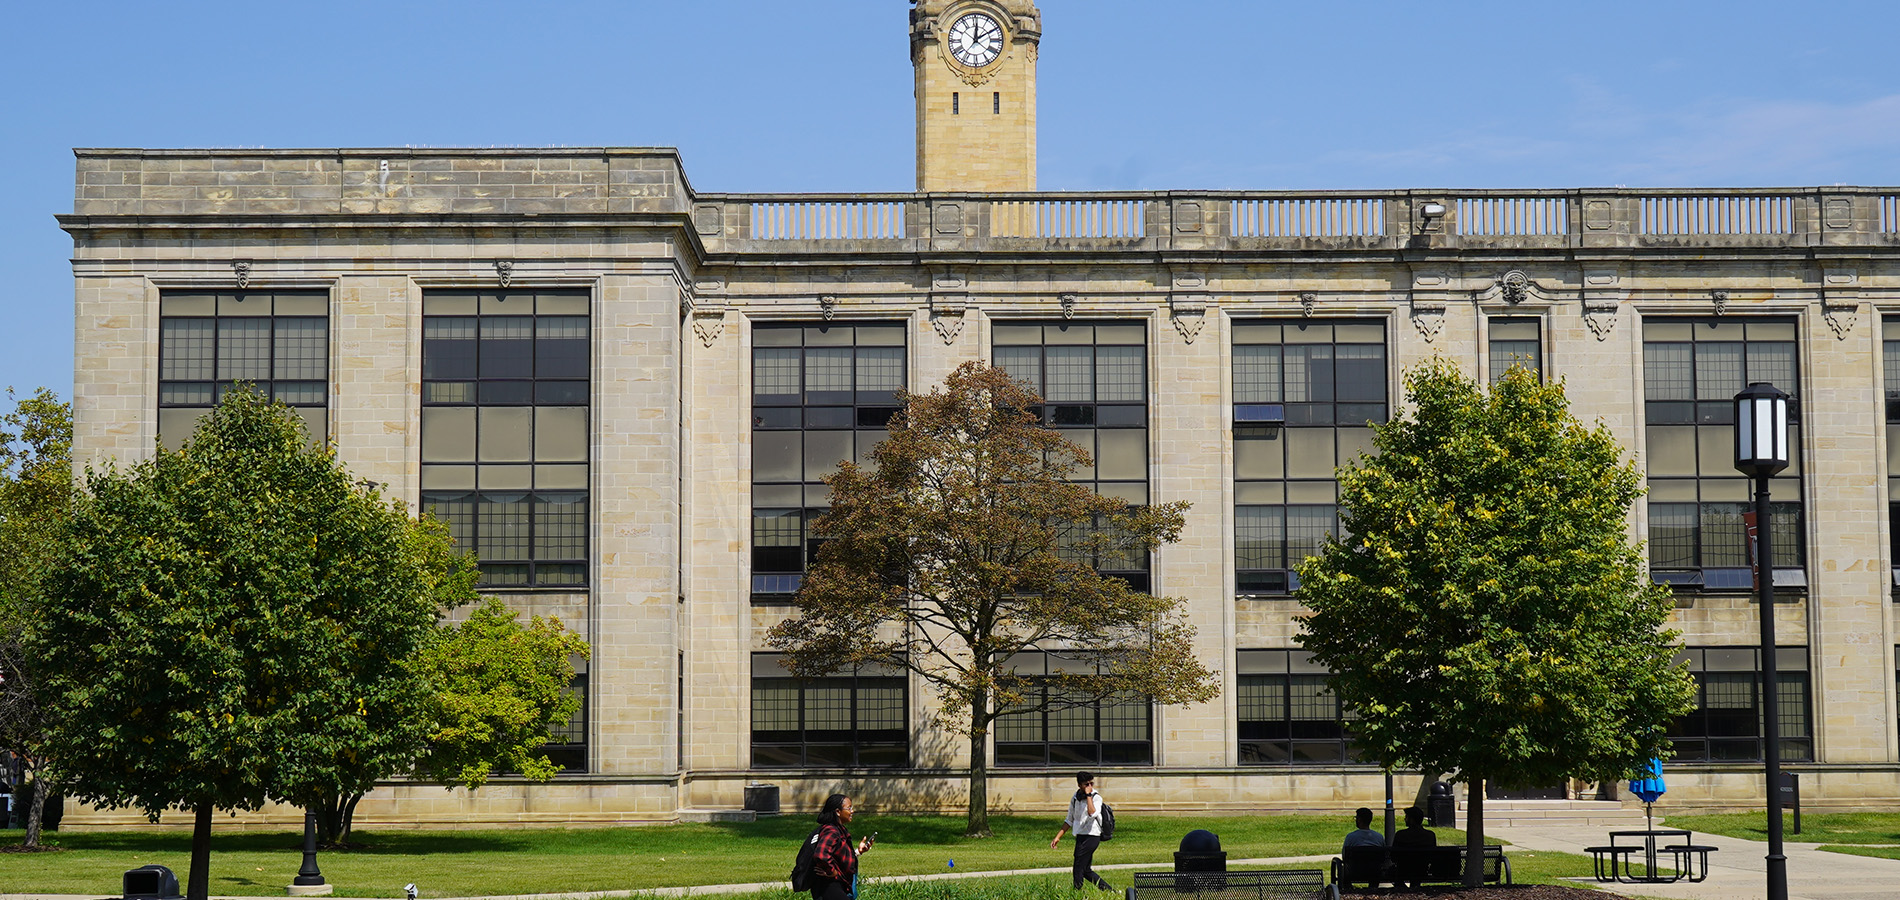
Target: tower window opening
x,y
955,103
996,103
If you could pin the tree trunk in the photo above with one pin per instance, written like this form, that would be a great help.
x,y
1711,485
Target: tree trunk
x,y
349,819
35,810
1474,834
979,823
198,884
335,818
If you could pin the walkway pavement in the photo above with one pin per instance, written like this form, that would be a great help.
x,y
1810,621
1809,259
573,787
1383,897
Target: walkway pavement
x,y
1737,871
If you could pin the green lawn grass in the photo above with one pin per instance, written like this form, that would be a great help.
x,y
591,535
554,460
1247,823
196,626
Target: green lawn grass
x,y
1816,828
536,861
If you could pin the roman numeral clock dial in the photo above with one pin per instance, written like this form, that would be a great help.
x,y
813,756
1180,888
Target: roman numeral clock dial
x,y
976,40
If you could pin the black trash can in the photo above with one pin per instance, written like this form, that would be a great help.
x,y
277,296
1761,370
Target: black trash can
x,y
150,883
1444,806
762,798
1200,852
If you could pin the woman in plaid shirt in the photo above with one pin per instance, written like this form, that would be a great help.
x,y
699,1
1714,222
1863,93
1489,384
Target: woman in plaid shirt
x,y
835,862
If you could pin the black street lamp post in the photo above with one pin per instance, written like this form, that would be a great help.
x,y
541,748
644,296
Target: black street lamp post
x,y
1761,450
309,878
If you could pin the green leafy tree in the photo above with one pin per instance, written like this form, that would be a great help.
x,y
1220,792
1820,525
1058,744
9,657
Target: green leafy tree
x,y
36,486
964,545
501,690
235,622
1487,613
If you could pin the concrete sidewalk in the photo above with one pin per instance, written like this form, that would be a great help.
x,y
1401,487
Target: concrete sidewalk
x,y
1738,871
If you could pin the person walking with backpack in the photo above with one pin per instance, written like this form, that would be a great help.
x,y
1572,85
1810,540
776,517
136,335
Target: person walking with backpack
x,y
1087,814
834,857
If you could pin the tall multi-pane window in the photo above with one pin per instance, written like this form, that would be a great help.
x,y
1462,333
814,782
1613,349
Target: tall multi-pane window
x,y
1890,364
1726,724
1514,343
1093,378
1306,394
567,742
1286,714
276,340
1072,731
1692,370
505,446
821,394
850,719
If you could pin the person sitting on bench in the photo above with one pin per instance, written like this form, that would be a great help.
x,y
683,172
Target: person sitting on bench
x,y
1412,867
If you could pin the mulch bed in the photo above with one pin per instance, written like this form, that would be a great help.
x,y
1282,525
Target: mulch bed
x,y
21,848
1504,892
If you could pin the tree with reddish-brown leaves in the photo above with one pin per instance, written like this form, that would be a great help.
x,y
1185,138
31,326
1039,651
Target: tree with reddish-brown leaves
x,y
962,545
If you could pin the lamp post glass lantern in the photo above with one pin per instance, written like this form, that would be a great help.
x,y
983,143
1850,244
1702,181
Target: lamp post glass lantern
x,y
1761,450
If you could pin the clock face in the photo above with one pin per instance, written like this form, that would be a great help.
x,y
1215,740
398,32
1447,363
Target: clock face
x,y
976,40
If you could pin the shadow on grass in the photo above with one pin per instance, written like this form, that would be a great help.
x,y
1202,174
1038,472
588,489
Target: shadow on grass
x,y
391,843
913,831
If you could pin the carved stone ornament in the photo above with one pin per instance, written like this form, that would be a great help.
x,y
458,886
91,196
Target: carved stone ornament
x,y
1841,314
1308,300
505,270
1600,317
947,316
1068,305
948,327
827,306
1189,313
1429,320
709,321
1514,287
243,269
1720,299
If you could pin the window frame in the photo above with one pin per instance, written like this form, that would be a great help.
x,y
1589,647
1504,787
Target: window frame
x,y
1287,668
455,485
1273,418
1689,453
764,677
1794,686
1043,752
174,306
804,413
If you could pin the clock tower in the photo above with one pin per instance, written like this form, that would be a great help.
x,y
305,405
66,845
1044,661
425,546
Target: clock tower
x,y
975,63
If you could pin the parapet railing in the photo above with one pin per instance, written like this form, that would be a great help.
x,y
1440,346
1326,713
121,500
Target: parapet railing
x,y
1299,220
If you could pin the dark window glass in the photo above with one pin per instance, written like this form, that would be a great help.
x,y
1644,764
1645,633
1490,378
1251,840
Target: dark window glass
x,y
1304,394
1698,502
279,341
509,469
858,720
1072,731
1286,715
821,394
1726,725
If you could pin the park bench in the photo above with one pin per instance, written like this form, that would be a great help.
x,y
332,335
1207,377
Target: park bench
x,y
1291,884
1416,865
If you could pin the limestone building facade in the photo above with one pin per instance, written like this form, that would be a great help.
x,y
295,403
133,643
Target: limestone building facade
x,y
623,393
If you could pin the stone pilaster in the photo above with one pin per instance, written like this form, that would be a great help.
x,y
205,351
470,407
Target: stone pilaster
x,y
376,356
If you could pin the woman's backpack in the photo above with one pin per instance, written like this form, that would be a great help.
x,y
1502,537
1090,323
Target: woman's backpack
x,y
807,858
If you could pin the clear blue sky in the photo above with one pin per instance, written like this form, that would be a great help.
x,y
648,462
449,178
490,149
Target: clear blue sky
x,y
816,96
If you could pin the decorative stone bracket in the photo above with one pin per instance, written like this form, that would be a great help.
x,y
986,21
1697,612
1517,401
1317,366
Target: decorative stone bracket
x,y
1068,305
1600,316
505,271
1719,298
827,306
243,269
707,315
1308,300
1189,313
946,315
1841,310
1428,316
